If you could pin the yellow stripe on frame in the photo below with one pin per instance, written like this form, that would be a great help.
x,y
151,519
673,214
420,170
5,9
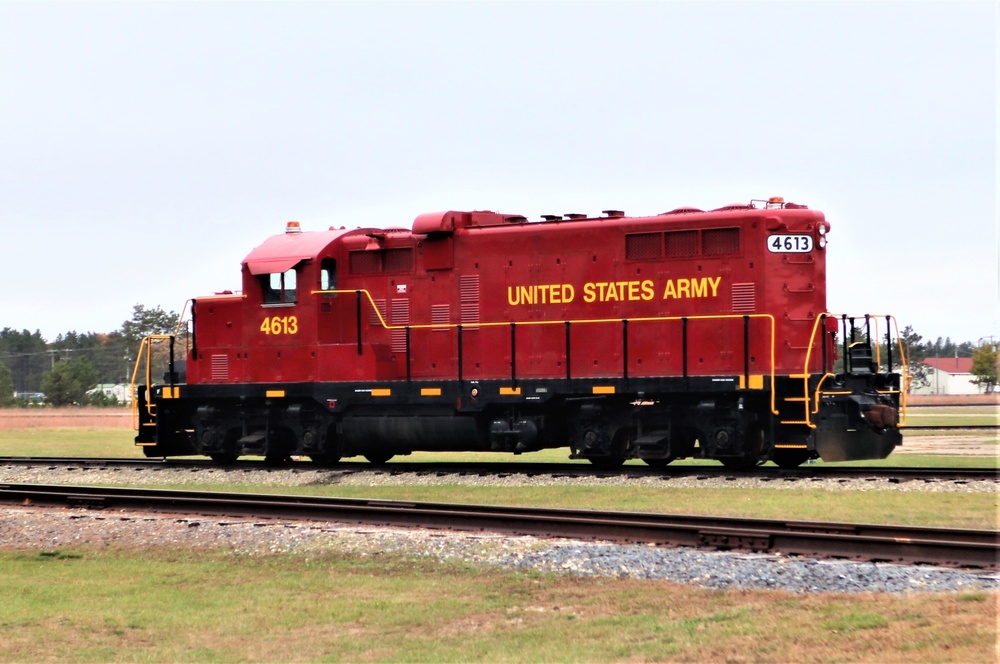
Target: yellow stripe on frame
x,y
510,391
430,391
790,447
756,382
381,392
276,394
171,393
604,389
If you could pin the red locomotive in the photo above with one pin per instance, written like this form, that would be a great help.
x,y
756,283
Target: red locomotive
x,y
686,334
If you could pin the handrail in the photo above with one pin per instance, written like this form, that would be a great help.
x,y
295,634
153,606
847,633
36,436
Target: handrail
x,y
145,347
807,375
582,321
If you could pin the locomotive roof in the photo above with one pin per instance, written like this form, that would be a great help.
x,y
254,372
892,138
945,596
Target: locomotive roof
x,y
280,253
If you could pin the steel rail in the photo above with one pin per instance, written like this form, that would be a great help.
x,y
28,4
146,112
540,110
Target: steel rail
x,y
550,469
865,542
949,427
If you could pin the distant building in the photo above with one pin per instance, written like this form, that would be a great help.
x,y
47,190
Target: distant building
x,y
949,375
119,391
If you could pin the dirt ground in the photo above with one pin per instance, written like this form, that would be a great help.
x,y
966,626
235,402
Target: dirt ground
x,y
42,417
971,445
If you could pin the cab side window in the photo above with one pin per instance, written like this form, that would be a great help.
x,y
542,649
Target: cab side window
x,y
278,287
328,275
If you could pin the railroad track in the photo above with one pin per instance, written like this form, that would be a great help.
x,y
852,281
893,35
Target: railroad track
x,y
528,469
863,542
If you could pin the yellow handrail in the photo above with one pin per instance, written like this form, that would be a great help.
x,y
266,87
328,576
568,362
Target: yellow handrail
x,y
807,375
145,349
582,321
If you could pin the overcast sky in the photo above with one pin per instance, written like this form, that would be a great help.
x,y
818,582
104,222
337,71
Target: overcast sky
x,y
146,148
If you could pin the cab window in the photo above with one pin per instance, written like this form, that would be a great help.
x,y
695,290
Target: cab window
x,y
328,275
278,287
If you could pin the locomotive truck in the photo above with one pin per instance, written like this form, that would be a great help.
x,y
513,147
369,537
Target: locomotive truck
x,y
690,333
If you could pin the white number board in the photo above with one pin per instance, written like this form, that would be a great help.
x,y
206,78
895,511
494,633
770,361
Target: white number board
x,y
789,244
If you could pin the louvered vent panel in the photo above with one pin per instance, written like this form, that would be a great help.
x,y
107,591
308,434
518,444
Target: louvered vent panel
x,y
440,315
744,297
643,245
400,316
382,309
469,299
220,367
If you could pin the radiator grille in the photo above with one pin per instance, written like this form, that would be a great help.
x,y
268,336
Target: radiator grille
x,y
364,262
398,260
643,245
681,244
720,241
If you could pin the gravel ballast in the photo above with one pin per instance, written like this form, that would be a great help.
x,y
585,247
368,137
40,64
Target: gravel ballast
x,y
28,527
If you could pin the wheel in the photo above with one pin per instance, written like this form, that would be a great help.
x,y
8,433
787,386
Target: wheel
x,y
621,443
756,444
378,458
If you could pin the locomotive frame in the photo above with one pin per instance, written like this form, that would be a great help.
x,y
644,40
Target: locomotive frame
x,y
380,342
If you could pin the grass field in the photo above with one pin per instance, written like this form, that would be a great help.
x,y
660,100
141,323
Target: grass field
x,y
91,605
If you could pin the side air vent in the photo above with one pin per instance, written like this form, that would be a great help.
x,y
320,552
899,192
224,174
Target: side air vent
x,y
400,316
469,299
744,298
220,367
440,315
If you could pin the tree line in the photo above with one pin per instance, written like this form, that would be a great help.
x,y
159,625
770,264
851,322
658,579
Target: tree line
x,y
65,370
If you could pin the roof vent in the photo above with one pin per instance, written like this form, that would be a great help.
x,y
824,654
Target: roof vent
x,y
515,219
684,210
551,217
575,215
613,213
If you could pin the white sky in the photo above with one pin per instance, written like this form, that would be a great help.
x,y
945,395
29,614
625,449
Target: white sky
x,y
145,148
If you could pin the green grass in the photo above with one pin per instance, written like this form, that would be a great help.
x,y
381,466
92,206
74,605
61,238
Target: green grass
x,y
97,605
939,509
